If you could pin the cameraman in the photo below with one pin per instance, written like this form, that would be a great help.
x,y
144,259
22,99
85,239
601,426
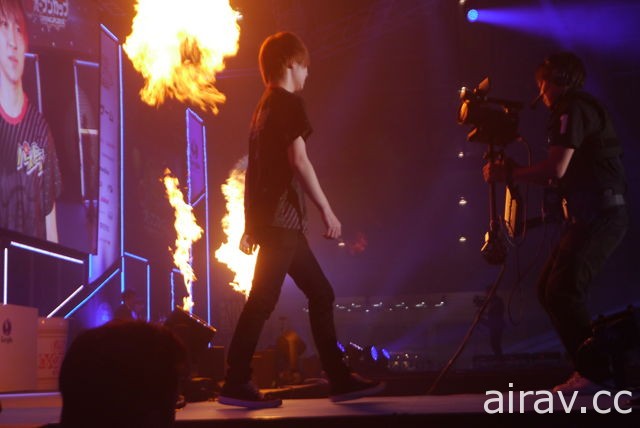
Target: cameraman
x,y
584,164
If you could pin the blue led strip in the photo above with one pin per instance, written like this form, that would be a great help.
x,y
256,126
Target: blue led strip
x,y
148,271
46,253
86,63
206,210
136,257
121,117
197,201
148,292
172,301
79,125
187,113
36,62
93,293
53,312
5,274
122,276
109,33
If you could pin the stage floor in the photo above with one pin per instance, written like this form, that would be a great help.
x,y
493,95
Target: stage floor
x,y
456,410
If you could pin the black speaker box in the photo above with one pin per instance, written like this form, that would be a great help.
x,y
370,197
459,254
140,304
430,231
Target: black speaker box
x,y
211,363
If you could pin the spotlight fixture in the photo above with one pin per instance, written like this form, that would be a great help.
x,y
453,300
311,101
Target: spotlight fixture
x,y
383,359
385,353
355,354
376,359
473,15
373,353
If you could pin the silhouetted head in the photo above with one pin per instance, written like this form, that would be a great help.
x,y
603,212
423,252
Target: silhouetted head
x,y
558,74
123,374
563,69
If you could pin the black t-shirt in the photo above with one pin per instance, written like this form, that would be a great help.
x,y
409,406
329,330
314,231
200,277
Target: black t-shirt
x,y
273,195
578,121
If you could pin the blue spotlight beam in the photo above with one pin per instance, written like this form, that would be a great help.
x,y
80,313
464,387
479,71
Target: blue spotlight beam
x,y
607,26
47,253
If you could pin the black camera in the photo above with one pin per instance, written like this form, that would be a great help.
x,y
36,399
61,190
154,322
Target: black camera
x,y
495,120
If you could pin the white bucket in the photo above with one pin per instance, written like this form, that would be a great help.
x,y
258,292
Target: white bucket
x,y
52,344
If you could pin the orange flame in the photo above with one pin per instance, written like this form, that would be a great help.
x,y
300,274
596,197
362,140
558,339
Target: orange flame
x,y
178,47
188,232
241,264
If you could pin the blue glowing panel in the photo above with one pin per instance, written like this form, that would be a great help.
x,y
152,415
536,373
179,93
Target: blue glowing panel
x,y
195,156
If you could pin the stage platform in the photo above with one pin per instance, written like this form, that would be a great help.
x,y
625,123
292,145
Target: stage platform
x,y
454,410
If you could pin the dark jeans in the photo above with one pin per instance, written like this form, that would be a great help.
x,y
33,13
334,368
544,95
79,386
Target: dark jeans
x,y
282,252
566,276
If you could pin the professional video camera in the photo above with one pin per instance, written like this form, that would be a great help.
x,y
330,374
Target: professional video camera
x,y
495,120
495,123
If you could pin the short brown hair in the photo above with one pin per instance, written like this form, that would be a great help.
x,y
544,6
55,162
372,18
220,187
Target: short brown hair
x,y
14,9
279,51
563,69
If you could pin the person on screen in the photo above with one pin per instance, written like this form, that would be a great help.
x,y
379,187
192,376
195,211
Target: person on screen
x,y
30,178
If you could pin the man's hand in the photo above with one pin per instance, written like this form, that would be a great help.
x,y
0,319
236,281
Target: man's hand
x,y
301,165
497,171
334,228
247,244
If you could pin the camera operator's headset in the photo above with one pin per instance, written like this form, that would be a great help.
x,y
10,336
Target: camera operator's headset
x,y
564,69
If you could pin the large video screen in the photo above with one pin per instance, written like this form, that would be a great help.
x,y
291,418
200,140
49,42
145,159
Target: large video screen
x,y
49,121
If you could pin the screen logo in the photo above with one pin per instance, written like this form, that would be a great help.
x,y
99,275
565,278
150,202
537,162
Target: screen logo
x,y
51,14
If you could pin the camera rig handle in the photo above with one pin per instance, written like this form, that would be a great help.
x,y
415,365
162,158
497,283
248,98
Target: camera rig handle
x,y
494,249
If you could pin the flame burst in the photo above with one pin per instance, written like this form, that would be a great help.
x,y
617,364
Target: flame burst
x,y
178,47
188,232
241,264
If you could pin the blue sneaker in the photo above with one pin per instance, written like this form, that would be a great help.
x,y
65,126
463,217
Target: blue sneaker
x,y
246,395
353,387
